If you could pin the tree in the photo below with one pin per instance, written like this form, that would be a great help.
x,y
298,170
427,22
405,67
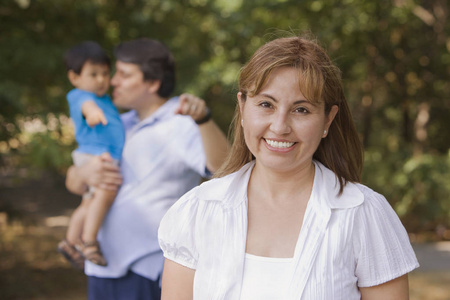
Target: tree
x,y
394,57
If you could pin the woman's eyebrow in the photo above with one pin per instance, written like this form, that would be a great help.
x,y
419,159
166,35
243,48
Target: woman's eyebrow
x,y
295,102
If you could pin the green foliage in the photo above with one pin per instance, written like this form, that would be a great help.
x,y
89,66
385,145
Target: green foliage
x,y
417,187
45,151
394,56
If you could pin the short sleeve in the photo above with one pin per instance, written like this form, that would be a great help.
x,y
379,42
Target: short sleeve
x,y
382,248
176,234
76,98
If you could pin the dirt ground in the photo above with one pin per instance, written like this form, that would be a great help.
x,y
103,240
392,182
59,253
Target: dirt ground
x,y
33,218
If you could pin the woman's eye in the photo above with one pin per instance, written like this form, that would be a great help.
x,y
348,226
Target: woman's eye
x,y
302,110
265,104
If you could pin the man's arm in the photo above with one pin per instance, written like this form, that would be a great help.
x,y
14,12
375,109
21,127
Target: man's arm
x,y
214,141
99,172
215,144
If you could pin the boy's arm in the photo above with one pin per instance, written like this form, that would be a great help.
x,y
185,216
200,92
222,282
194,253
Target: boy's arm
x,y
99,172
92,113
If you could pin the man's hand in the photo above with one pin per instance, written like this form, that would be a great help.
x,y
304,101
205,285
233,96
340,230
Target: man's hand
x,y
103,173
99,172
191,105
94,115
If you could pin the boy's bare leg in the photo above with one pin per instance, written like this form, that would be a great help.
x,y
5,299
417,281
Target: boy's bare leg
x,y
96,212
73,235
76,223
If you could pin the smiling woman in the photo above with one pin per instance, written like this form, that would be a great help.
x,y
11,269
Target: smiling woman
x,y
287,217
281,128
319,83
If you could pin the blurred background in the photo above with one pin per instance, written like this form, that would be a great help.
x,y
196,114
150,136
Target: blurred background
x,y
395,59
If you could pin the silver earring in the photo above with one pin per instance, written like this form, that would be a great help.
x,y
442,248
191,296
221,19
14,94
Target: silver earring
x,y
324,132
242,122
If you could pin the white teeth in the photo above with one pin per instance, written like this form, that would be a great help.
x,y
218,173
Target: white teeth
x,y
276,144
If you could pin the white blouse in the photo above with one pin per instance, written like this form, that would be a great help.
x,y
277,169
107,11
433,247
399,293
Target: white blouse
x,y
348,241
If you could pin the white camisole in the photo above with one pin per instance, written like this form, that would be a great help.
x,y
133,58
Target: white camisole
x,y
264,277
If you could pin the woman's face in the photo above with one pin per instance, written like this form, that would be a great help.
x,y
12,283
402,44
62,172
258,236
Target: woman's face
x,y
282,129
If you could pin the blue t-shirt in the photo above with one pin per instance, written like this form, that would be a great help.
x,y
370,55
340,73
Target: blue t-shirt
x,y
100,138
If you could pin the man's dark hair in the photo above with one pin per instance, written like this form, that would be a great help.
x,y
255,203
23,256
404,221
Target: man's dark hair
x,y
154,60
78,55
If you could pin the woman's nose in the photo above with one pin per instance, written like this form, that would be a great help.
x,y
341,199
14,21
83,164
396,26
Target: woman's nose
x,y
280,123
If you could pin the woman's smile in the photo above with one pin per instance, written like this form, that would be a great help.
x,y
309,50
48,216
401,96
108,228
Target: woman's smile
x,y
278,145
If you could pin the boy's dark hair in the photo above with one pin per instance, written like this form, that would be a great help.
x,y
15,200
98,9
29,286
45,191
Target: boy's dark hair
x,y
154,60
78,55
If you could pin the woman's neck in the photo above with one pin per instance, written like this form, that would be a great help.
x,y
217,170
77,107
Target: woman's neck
x,y
282,186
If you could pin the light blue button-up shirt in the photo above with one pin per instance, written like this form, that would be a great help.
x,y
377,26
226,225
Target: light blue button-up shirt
x,y
163,158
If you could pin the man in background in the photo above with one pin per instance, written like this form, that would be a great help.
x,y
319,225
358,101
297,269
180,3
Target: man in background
x,y
171,143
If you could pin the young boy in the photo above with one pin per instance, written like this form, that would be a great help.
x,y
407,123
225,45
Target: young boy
x,y
98,130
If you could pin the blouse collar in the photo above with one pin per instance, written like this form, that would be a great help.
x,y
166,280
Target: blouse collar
x,y
328,184
233,189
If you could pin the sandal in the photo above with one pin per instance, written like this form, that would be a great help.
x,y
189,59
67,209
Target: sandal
x,y
91,251
71,254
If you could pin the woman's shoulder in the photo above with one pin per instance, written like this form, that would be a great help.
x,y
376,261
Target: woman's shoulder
x,y
377,211
372,199
215,188
230,190
210,193
195,211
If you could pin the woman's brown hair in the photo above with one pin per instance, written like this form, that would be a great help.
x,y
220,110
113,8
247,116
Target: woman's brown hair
x,y
320,81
